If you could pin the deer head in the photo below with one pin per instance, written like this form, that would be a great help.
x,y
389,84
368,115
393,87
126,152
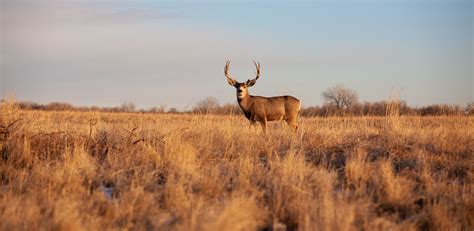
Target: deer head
x,y
241,88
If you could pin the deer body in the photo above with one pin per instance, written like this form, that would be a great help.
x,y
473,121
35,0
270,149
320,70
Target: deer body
x,y
262,109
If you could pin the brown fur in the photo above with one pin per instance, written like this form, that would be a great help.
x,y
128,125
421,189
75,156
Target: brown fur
x,y
263,109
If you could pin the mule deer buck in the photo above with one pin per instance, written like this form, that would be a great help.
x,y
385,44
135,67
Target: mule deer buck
x,y
262,109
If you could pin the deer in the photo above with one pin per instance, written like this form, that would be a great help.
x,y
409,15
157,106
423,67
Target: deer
x,y
263,109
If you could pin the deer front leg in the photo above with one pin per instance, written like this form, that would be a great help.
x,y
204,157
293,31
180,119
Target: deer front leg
x,y
292,123
252,125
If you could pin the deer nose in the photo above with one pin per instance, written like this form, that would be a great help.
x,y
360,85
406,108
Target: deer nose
x,y
239,91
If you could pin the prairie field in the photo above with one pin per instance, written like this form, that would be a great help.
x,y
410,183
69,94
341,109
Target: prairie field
x,y
116,171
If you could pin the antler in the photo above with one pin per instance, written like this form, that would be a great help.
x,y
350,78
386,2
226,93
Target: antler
x,y
231,80
252,82
257,65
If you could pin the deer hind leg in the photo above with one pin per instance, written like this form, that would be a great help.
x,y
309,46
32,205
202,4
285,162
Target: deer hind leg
x,y
263,123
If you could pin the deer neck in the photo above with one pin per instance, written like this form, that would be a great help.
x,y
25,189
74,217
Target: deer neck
x,y
245,103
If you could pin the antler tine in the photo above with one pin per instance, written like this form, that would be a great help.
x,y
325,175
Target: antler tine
x,y
226,71
227,64
257,65
226,68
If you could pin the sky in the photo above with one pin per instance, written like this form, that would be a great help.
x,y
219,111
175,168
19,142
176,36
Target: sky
x,y
172,53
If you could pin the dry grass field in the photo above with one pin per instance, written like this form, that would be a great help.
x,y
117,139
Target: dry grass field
x,y
101,171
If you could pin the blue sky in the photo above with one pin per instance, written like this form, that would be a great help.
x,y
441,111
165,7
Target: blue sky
x,y
173,52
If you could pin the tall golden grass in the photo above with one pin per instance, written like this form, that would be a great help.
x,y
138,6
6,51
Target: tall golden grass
x,y
98,171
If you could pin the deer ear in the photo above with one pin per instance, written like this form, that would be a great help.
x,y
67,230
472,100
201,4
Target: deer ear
x,y
250,83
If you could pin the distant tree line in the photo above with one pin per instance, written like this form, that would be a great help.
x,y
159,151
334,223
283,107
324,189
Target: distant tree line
x,y
382,108
338,101
209,105
387,108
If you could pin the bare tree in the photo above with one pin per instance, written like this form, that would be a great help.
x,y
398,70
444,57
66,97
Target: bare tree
x,y
207,105
469,110
160,109
340,97
128,107
173,110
